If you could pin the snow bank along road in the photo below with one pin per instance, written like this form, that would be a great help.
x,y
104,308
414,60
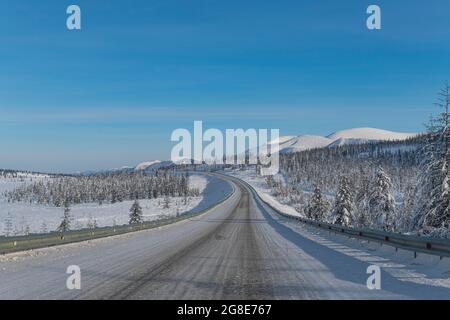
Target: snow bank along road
x,y
238,250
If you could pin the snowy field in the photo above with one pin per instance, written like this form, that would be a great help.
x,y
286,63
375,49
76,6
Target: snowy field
x,y
39,218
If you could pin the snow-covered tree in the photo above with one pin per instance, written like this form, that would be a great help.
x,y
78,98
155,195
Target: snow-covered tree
x,y
433,210
361,215
136,213
405,216
318,206
344,207
381,205
166,203
92,223
102,188
66,220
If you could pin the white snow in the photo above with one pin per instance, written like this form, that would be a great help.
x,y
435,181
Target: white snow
x,y
401,271
369,134
286,144
304,142
152,165
344,141
145,165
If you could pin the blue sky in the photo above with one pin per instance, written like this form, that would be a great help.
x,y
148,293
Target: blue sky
x,y
111,94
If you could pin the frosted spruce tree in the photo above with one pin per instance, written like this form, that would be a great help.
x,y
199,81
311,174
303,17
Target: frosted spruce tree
x,y
92,223
361,215
344,207
381,205
405,216
66,219
433,212
101,188
166,203
318,206
136,213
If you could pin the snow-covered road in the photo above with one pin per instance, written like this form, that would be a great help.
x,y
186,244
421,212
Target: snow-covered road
x,y
238,250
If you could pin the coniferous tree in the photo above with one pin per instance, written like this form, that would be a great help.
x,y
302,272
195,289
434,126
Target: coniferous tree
x,y
344,207
136,213
166,203
318,206
361,219
100,188
66,219
433,212
405,216
381,202
92,223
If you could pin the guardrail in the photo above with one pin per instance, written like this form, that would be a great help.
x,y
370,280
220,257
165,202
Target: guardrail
x,y
434,246
36,241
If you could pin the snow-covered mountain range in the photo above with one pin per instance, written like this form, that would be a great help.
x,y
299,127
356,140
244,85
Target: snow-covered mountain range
x,y
304,142
294,144
348,136
152,165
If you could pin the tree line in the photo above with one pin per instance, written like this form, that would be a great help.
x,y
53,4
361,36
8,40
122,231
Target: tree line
x,y
101,188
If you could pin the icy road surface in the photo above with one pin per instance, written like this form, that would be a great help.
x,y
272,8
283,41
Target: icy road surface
x,y
238,250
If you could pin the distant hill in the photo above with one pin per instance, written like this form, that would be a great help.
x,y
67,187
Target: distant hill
x,y
289,144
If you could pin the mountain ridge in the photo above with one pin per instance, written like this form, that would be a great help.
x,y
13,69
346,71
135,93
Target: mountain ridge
x,y
359,135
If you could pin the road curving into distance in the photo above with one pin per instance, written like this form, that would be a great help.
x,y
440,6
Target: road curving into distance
x,y
240,249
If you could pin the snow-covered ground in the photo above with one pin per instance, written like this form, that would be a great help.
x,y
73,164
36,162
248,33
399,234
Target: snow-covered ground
x,y
259,184
425,269
40,218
